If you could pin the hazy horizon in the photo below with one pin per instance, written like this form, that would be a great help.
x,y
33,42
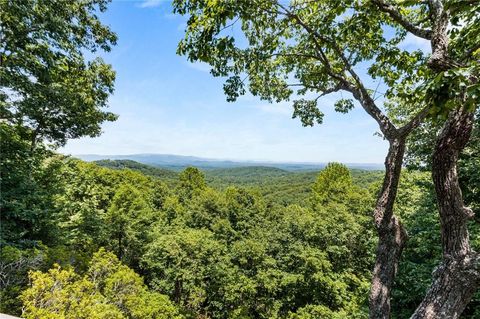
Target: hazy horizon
x,y
167,105
213,158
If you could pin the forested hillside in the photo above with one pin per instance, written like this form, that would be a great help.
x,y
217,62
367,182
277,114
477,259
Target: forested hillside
x,y
167,175
120,239
201,251
178,162
274,184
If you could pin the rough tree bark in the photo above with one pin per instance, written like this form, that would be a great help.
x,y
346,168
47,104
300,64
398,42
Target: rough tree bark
x,y
457,277
392,235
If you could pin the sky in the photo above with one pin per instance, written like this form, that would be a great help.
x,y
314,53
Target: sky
x,y
167,105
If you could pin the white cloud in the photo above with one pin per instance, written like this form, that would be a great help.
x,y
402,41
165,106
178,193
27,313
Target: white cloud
x,y
150,3
413,42
278,109
199,66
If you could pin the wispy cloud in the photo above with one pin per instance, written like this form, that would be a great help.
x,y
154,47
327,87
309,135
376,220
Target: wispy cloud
x,y
278,109
199,66
413,42
168,105
150,3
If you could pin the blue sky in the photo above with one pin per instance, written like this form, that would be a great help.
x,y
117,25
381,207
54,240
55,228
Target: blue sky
x,y
170,106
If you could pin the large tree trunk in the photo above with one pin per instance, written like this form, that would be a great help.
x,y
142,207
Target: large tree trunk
x,y
457,278
392,235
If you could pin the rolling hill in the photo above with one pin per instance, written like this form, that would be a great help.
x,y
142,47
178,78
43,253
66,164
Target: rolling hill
x,y
179,162
275,184
136,166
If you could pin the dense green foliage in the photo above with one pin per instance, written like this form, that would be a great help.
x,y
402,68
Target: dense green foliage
x,y
28,184
125,240
276,185
107,290
49,92
226,252
215,253
47,86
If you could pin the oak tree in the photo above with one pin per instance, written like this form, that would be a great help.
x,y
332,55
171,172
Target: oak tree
x,y
303,50
48,84
50,91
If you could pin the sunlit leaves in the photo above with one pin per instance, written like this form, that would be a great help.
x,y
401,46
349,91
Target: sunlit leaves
x,y
452,88
307,111
47,84
344,105
108,290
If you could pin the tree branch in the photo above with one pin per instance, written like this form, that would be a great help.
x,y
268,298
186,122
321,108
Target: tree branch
x,y
358,90
414,122
402,20
470,52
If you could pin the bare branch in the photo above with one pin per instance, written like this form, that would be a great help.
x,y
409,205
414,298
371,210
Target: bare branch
x,y
231,24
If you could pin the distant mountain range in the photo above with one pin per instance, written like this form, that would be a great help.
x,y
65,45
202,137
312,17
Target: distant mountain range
x,y
178,162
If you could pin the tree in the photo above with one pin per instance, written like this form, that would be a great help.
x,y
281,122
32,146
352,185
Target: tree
x,y
228,254
318,46
419,156
108,290
29,184
47,84
105,207
333,184
14,266
49,92
416,207
192,181
130,218
184,264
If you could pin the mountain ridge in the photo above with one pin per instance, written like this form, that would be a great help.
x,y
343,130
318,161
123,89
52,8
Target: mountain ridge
x,y
179,162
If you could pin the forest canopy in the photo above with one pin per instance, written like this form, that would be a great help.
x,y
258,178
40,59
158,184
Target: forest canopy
x,y
225,252
121,239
